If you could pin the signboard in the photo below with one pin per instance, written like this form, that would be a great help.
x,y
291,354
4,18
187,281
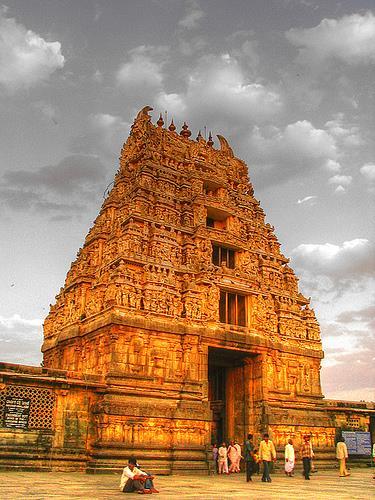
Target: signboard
x,y
16,412
358,443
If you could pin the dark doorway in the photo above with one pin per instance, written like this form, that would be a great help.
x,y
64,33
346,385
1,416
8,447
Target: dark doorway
x,y
227,394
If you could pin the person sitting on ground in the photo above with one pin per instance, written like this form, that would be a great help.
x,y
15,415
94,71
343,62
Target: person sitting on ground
x,y
134,479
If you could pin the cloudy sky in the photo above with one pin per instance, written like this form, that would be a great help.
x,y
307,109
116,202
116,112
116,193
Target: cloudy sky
x,y
290,83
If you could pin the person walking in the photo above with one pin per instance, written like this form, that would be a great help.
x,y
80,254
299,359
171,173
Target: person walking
x,y
289,458
233,457
267,454
342,455
249,457
239,456
307,454
223,459
215,456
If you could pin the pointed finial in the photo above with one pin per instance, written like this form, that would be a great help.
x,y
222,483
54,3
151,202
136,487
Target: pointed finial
x,y
144,112
172,126
199,136
185,132
210,142
224,146
160,122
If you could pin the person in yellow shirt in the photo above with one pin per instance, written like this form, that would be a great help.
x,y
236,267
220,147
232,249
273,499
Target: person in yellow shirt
x,y
267,454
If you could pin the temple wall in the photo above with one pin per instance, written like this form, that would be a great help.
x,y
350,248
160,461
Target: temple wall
x,y
58,430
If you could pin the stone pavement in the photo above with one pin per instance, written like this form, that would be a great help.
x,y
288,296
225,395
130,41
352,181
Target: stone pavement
x,y
66,485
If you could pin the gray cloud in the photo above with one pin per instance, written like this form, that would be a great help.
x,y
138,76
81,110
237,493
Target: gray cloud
x,y
365,316
193,15
48,189
68,176
15,332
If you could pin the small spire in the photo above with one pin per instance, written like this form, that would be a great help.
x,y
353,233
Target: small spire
x,y
210,142
199,136
172,126
160,122
185,132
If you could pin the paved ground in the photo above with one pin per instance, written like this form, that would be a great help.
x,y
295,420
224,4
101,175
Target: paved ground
x,y
60,485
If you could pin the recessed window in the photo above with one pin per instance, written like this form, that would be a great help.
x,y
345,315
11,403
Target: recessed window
x,y
216,218
232,308
222,255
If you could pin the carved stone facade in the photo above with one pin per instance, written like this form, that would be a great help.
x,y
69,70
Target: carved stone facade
x,y
182,306
180,270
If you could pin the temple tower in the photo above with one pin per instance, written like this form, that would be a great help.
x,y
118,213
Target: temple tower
x,y
182,301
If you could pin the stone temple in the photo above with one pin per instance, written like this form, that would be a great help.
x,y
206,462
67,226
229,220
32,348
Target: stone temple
x,y
180,323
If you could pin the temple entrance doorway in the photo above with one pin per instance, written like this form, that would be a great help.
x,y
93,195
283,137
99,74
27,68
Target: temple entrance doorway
x,y
228,393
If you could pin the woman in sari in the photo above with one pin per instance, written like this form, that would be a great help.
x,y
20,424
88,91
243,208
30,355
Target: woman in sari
x,y
289,458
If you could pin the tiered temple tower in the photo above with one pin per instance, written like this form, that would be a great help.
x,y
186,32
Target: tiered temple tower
x,y
182,301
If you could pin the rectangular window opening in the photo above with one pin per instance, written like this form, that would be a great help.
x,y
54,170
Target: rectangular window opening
x,y
232,308
222,255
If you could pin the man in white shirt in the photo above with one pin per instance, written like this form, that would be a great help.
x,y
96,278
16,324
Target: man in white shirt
x,y
134,479
342,455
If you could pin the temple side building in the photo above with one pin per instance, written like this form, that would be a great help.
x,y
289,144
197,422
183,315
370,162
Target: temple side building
x,y
180,322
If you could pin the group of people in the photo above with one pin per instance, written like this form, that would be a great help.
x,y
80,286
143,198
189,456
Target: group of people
x,y
267,455
227,459
134,479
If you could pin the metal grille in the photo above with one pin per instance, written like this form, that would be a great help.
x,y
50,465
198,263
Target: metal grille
x,y
41,406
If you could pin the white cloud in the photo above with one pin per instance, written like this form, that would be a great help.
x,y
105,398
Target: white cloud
x,y
219,81
346,135
173,103
299,140
144,69
327,268
368,171
193,15
350,39
296,149
109,131
20,339
333,166
343,180
340,190
16,321
26,58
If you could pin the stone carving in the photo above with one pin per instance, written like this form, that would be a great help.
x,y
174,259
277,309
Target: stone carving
x,y
143,303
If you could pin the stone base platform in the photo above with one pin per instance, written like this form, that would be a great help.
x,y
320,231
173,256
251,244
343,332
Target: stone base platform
x,y
323,485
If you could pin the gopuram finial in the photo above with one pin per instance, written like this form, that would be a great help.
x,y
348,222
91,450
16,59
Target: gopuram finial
x,y
160,121
185,132
199,136
224,146
172,126
144,112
